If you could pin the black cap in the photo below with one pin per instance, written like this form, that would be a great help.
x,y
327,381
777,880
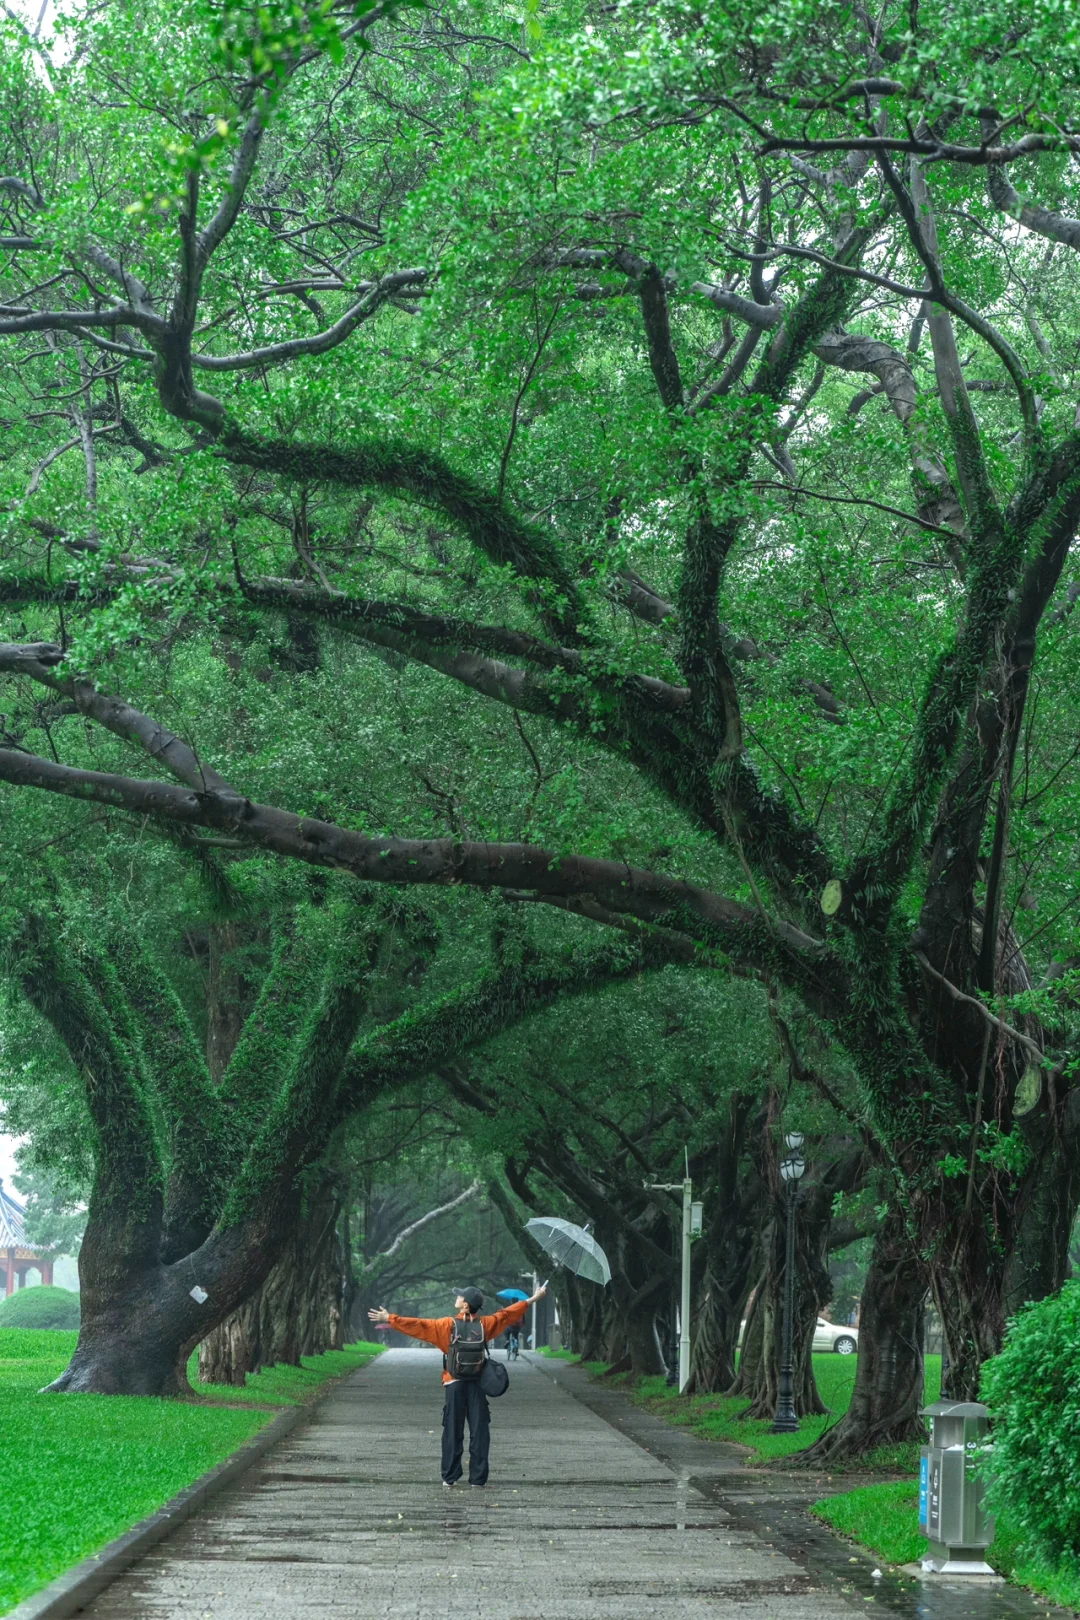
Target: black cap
x,y
473,1298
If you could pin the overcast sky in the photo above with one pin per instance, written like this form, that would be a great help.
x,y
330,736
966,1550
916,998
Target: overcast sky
x,y
33,12
8,1145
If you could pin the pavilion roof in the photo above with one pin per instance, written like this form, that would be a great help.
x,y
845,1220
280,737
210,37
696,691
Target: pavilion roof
x,y
12,1232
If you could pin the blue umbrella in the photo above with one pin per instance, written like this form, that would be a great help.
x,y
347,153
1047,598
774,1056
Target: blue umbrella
x,y
510,1293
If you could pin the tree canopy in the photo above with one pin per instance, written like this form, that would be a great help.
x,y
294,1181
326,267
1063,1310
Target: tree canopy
x,y
623,462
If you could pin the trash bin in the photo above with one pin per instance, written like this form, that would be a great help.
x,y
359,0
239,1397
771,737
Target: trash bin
x,y
952,1485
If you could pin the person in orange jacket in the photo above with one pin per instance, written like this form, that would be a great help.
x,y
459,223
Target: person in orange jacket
x,y
464,1397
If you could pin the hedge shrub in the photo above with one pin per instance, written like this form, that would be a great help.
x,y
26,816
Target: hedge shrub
x,y
42,1307
1033,1390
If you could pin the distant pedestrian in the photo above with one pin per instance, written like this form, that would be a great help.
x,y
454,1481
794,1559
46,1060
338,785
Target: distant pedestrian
x,y
462,1340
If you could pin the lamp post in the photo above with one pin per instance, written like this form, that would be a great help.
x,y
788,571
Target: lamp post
x,y
691,1227
792,1168
532,1313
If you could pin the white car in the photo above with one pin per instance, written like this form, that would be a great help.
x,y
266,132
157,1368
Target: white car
x,y
827,1336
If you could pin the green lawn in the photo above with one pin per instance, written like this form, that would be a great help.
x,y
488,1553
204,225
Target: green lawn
x,y
718,1417
286,1386
81,1469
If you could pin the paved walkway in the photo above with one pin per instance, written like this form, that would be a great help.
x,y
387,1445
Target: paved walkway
x,y
591,1514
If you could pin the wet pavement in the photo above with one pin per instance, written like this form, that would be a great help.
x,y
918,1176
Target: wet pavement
x,y
773,1506
596,1510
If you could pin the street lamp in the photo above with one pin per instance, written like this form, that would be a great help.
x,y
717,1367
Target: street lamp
x,y
792,1168
536,1284
691,1227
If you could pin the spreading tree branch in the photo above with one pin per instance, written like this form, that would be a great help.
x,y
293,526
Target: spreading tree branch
x,y
417,1226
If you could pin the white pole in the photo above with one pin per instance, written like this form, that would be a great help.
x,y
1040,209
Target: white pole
x,y
536,1284
684,1312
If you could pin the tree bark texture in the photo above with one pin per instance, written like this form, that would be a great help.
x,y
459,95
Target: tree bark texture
x,y
589,1322
734,1195
749,1373
613,1336
228,997
889,1381
296,1312
842,1168
637,1327
762,1377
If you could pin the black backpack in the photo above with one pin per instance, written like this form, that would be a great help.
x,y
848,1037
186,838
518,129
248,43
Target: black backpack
x,y
466,1356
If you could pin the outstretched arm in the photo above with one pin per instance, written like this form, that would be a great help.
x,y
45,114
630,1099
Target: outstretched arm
x,y
501,1320
431,1329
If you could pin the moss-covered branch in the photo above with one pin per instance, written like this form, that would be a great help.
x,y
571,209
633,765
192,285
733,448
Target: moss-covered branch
x,y
268,1041
652,897
432,1036
1040,527
301,1116
196,1132
413,472
126,1201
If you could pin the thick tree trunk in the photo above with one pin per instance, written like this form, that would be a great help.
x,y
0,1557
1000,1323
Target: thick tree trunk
x,y
581,1314
293,1313
1046,1209
731,1252
760,1378
568,1309
839,1171
263,1332
766,1389
1000,1241
968,1285
589,1336
888,1392
138,1348
996,1237
338,1318
759,1364
141,1323
723,1300
349,1285
753,1345
321,1300
228,1354
712,1354
613,1333
642,1338
138,1318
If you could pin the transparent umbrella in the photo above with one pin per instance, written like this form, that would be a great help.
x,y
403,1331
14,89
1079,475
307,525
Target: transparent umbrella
x,y
572,1246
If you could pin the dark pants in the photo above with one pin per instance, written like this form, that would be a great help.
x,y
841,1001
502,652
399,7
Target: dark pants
x,y
465,1399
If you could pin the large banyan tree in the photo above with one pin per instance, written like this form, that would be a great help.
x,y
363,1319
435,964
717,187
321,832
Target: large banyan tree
x,y
200,1179
703,392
